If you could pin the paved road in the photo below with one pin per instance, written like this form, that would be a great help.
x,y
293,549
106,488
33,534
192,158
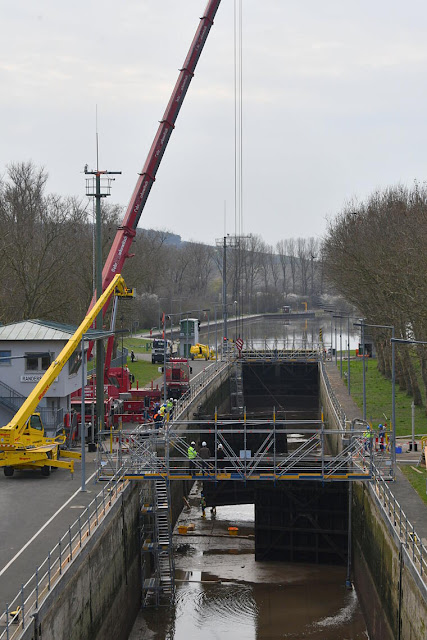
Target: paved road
x,y
29,500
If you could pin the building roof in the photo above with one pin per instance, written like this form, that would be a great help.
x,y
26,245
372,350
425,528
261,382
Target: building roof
x,y
44,330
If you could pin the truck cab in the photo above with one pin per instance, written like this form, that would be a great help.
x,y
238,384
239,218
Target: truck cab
x,y
158,350
177,377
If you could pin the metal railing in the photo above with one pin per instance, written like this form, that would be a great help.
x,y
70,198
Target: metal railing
x,y
52,420
251,450
396,517
198,383
300,354
10,398
341,418
20,611
383,494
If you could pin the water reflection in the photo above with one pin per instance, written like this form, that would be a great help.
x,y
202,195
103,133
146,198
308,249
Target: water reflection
x,y
296,333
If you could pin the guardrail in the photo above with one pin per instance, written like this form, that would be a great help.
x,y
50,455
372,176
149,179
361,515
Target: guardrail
x,y
303,354
199,382
340,416
409,538
20,611
389,506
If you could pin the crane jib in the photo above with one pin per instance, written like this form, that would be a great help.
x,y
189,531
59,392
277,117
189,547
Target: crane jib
x,y
115,260
120,248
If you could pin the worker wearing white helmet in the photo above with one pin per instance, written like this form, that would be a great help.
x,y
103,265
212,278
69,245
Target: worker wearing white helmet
x,y
220,455
205,454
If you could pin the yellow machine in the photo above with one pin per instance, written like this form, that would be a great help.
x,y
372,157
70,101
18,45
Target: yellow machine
x,y
200,351
23,444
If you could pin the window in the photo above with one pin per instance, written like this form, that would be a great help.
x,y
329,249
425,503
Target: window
x,y
35,422
5,357
38,361
74,362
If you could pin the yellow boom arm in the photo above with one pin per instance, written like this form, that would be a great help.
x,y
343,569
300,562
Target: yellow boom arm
x,y
12,431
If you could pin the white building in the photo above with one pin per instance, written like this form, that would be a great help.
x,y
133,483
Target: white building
x,y
26,351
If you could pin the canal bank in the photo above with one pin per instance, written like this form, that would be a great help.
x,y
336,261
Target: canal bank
x,y
392,592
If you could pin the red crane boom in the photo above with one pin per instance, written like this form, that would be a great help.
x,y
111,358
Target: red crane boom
x,y
126,232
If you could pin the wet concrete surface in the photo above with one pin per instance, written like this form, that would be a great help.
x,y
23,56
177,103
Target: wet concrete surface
x,y
221,592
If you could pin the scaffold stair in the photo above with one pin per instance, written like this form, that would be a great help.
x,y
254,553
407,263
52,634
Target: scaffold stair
x,y
156,542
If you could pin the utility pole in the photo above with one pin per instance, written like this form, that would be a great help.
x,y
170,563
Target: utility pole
x,y
98,190
235,242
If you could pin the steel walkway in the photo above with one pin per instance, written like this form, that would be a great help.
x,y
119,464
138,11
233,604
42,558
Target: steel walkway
x,y
254,451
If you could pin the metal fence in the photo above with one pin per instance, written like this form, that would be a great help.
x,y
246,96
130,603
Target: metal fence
x,y
340,416
52,420
20,611
198,383
389,506
405,531
10,398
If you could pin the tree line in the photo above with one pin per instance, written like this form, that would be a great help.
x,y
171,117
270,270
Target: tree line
x,y
47,261
374,254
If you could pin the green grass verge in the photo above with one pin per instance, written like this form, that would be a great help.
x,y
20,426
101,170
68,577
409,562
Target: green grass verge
x,y
379,399
139,345
143,371
417,480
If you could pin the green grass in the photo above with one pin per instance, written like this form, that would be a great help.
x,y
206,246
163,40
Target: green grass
x,y
417,480
143,371
379,399
139,345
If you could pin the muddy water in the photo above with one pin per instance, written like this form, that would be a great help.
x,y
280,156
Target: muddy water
x,y
222,593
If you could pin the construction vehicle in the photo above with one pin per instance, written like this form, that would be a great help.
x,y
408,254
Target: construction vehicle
x,y
158,350
200,351
177,378
23,444
120,249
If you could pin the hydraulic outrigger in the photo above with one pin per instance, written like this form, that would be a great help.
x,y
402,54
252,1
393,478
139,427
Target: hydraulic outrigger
x,y
23,444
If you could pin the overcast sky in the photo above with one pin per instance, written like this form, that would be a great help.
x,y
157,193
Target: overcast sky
x,y
334,105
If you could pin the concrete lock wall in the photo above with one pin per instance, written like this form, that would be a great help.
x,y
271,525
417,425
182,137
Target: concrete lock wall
x,y
99,594
388,589
384,574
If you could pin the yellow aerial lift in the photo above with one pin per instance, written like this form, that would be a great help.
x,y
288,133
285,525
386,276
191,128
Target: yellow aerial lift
x,y
23,444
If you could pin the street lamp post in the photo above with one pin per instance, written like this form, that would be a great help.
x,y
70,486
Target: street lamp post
x,y
235,313
393,383
164,357
340,317
400,341
83,418
336,350
348,354
158,302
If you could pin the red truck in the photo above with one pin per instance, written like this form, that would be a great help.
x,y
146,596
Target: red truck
x,y
177,377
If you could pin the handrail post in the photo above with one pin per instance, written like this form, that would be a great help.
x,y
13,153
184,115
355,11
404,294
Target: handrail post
x,y
274,443
23,606
70,544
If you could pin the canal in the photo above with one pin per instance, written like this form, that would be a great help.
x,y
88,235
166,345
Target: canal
x,y
221,592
